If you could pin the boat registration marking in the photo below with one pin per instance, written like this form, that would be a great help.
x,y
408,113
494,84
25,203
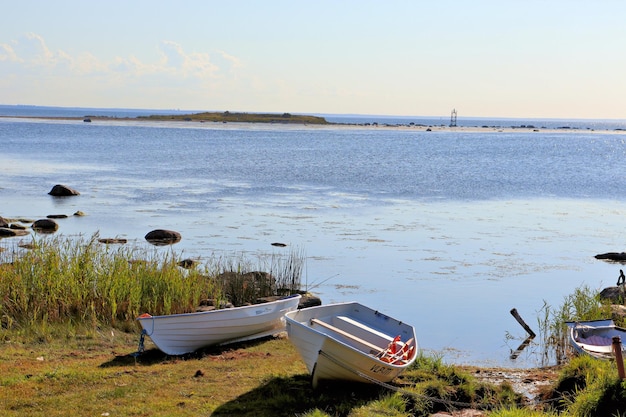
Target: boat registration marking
x,y
378,369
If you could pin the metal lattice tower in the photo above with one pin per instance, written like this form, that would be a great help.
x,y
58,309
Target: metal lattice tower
x,y
453,118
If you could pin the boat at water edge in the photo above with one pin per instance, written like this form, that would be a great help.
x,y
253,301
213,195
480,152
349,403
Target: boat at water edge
x,y
595,337
351,342
177,334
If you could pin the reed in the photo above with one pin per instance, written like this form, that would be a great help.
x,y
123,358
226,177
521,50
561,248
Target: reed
x,y
244,279
287,270
583,304
79,280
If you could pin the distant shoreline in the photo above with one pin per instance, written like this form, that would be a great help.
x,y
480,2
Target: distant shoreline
x,y
313,122
223,117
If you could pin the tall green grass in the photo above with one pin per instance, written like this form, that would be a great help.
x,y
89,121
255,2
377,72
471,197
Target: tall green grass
x,y
588,387
436,387
583,304
81,281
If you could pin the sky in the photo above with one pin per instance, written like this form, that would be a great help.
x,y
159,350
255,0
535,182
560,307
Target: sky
x,y
504,58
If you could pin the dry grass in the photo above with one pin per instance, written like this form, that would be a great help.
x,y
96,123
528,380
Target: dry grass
x,y
96,375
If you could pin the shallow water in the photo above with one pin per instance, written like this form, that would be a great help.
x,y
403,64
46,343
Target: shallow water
x,y
448,232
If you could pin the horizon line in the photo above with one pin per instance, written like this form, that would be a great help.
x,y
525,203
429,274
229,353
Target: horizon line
x,y
404,116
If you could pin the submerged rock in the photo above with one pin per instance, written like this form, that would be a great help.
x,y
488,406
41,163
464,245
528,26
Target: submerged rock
x,y
112,241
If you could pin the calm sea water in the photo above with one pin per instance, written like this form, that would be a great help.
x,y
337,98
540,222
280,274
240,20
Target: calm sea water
x,y
446,230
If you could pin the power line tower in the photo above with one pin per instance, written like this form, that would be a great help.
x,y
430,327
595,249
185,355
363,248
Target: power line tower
x,y
453,118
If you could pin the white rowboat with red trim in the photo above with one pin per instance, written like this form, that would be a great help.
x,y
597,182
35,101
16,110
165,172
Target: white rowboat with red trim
x,y
351,342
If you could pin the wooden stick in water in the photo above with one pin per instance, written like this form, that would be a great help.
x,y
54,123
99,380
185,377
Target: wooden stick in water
x,y
522,322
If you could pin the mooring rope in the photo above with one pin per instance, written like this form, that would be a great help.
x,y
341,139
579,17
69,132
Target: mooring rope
x,y
141,348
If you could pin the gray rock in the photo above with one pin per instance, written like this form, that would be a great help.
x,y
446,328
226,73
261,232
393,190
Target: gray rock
x,y
309,300
60,190
7,232
45,226
187,263
614,294
612,256
162,237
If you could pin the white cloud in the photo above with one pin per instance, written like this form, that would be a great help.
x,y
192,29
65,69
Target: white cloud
x,y
196,64
233,60
30,51
173,55
132,67
7,53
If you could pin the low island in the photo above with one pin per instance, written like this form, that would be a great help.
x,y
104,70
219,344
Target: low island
x,y
285,118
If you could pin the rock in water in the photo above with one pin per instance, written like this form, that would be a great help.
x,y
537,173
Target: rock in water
x,y
60,190
8,232
45,226
162,237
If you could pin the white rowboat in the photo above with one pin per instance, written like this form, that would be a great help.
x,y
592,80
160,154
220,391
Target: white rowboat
x,y
595,337
351,342
177,334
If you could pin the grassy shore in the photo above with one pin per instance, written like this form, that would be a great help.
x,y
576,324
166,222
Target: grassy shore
x,y
95,373
69,337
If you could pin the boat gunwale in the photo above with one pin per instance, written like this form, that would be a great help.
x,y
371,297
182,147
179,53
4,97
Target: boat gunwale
x,y
221,310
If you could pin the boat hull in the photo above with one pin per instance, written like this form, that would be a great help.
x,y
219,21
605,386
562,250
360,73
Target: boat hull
x,y
595,337
177,334
341,342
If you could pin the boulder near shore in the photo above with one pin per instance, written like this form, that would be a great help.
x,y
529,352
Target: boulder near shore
x,y
162,237
45,226
60,190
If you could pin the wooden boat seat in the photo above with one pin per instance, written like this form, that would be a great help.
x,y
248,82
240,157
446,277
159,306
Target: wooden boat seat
x,y
348,336
360,329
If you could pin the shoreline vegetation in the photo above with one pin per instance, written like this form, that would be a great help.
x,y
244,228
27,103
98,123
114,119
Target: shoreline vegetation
x,y
69,340
234,117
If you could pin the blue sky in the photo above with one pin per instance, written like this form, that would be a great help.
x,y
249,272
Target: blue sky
x,y
485,58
